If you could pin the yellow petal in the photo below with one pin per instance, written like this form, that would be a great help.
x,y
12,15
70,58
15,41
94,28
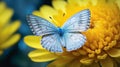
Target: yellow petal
x,y
13,39
118,3
118,45
114,52
117,59
94,2
61,62
75,63
47,12
59,5
67,54
5,17
1,52
42,56
111,1
79,2
115,64
37,13
73,1
106,1
108,62
92,65
33,41
2,6
86,61
9,30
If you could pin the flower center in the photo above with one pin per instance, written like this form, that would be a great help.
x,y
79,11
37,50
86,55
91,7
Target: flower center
x,y
104,31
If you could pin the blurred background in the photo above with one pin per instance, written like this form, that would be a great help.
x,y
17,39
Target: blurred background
x,y
16,56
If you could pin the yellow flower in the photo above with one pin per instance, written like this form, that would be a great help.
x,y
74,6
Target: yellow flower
x,y
102,48
7,38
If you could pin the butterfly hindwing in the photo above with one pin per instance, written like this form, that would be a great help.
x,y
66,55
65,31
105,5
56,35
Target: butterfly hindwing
x,y
78,22
40,26
74,41
52,43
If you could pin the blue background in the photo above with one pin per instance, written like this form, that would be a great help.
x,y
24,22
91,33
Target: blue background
x,y
16,56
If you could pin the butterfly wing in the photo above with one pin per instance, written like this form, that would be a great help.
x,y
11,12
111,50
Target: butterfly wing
x,y
52,43
73,26
79,22
74,41
40,26
49,33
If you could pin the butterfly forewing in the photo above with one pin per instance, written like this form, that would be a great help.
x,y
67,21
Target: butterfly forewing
x,y
78,23
40,26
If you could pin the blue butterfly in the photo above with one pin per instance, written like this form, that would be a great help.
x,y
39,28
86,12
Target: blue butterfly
x,y
68,36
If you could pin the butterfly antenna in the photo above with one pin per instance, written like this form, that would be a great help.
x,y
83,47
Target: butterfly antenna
x,y
53,20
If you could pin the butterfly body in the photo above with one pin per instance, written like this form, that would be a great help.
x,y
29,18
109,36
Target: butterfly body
x,y
68,36
60,31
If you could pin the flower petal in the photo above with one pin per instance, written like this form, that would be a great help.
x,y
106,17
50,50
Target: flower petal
x,y
33,41
1,52
115,64
42,55
61,62
9,30
37,13
117,59
118,3
92,65
57,5
74,63
5,17
2,6
47,12
108,62
86,61
13,39
114,52
73,1
94,2
79,2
